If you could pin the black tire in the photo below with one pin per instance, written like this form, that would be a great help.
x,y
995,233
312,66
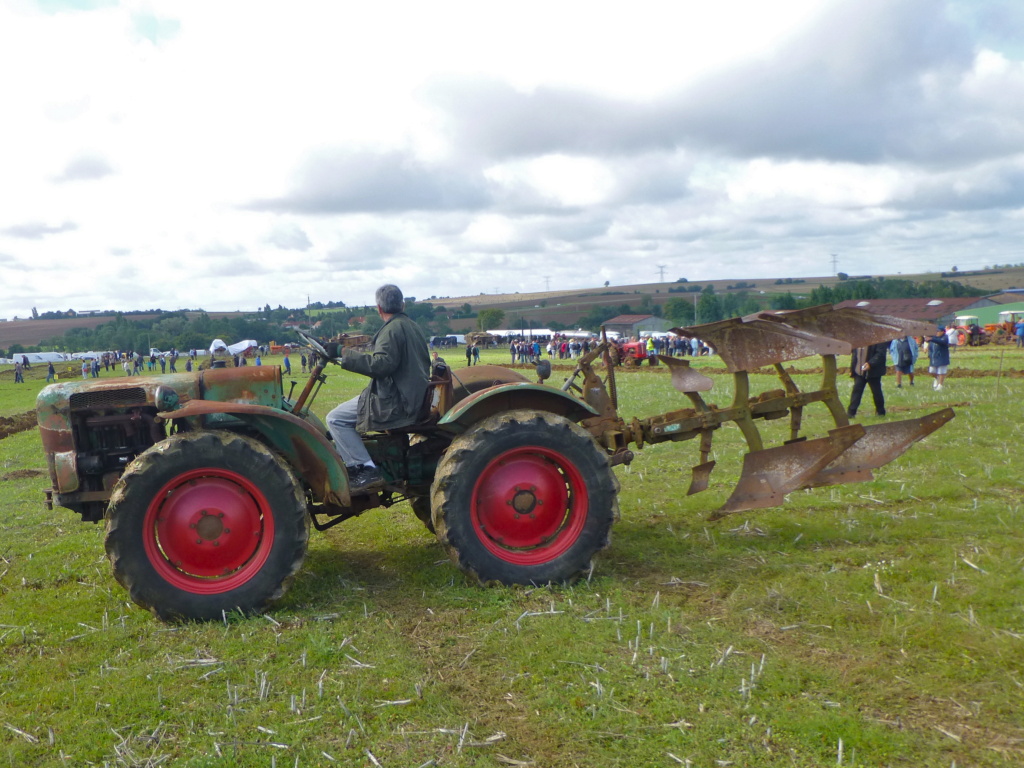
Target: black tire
x,y
205,523
525,497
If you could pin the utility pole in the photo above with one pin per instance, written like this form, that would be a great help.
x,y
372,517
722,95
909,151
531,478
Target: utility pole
x,y
547,283
835,263
661,272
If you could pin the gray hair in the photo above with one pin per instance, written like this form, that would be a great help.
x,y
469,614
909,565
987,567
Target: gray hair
x,y
389,299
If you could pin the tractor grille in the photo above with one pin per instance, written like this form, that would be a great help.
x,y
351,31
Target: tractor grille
x,y
107,398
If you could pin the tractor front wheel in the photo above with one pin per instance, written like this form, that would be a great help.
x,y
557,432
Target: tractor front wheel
x,y
205,523
525,497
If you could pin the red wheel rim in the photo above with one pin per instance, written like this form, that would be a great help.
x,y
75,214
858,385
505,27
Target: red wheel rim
x,y
529,505
208,531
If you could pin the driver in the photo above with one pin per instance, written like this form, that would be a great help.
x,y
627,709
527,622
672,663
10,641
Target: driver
x,y
399,369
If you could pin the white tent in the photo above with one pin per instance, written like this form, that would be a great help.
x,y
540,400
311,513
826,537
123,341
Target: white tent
x,y
218,345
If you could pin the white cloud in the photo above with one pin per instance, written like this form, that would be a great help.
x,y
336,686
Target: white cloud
x,y
461,146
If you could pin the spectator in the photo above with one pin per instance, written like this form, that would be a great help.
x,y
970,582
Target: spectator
x,y
952,336
904,357
51,374
19,376
938,357
867,367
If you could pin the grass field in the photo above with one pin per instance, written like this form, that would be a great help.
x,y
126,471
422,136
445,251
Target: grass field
x,y
879,624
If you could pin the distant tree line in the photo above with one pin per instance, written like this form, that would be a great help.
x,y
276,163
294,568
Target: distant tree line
x,y
185,330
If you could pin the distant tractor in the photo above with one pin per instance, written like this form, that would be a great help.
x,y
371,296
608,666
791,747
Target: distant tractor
x,y
1004,331
209,481
970,332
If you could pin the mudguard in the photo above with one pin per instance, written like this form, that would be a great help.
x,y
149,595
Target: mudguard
x,y
303,445
510,397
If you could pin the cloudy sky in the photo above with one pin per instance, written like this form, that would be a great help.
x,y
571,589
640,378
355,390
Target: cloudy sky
x,y
228,154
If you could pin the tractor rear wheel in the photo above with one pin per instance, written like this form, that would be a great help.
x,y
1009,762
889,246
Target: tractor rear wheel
x,y
206,522
525,497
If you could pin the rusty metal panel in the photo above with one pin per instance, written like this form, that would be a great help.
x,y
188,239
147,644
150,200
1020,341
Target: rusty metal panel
x,y
684,378
753,342
769,474
256,384
881,444
857,327
65,471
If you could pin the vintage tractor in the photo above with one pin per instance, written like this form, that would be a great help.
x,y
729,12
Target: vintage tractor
x,y
208,481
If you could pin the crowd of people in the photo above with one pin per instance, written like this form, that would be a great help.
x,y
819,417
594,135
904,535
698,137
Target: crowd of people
x,y
868,364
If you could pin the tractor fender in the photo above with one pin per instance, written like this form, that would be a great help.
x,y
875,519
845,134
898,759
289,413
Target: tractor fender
x,y
303,445
509,397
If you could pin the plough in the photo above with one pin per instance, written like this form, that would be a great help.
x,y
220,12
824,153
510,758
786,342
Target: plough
x,y
847,454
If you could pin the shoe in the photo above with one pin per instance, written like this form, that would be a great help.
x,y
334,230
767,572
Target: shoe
x,y
879,413
851,414
362,479
935,385
938,386
899,386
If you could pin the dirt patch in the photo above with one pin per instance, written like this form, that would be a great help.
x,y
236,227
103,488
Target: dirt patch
x,y
11,425
20,474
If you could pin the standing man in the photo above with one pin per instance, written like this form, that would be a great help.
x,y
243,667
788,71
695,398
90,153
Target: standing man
x,y
867,367
287,363
952,336
399,369
938,357
904,356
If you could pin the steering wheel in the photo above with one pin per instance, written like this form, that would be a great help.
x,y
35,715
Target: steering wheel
x,y
317,346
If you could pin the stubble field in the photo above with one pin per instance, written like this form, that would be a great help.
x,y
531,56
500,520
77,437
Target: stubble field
x,y
872,624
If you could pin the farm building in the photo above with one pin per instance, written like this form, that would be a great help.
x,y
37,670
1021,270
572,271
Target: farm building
x,y
926,310
633,325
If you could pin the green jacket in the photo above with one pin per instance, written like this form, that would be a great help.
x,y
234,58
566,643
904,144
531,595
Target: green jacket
x,y
400,368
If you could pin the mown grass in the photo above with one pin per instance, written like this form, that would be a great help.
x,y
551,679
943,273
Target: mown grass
x,y
871,624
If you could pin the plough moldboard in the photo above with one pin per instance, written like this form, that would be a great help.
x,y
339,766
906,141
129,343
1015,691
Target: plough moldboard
x,y
847,454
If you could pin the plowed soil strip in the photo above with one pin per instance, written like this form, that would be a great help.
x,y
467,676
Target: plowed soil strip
x,y
11,425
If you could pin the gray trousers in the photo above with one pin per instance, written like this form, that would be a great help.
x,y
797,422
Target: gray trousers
x,y
342,423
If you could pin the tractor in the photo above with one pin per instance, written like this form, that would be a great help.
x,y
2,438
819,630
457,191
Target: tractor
x,y
208,482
